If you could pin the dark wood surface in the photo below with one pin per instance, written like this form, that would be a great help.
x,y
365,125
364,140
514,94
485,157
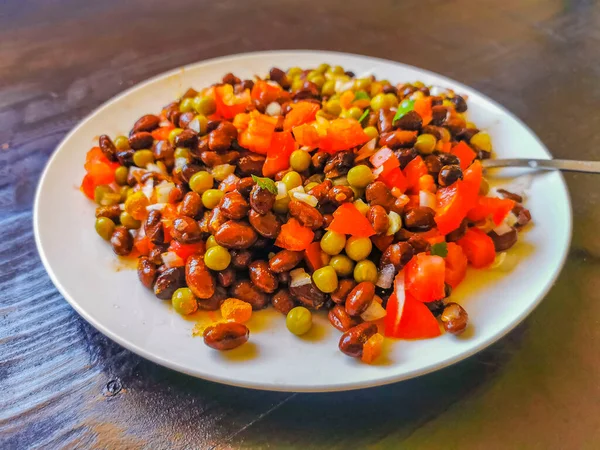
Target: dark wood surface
x,y
64,385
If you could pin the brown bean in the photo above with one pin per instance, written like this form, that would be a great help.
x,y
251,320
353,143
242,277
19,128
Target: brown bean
x,y
244,186
507,194
339,165
250,164
434,165
261,200
191,205
240,259
307,215
419,244
403,235
186,230
284,278
146,271
212,159
449,175
385,120
262,277
246,291
378,193
187,138
112,212
321,190
353,340
378,218
308,295
121,241
398,254
168,282
285,260
457,234
213,303
319,160
188,170
226,277
360,298
448,159
505,241
230,78
212,125
345,286
460,105
405,156
140,140
148,122
154,227
279,77
397,139
340,319
340,194
218,140
198,278
419,218
226,335
236,235
455,125
125,158
411,121
216,220
155,254
283,301
234,206
267,225
523,215
108,148
467,133
164,151
454,318
308,90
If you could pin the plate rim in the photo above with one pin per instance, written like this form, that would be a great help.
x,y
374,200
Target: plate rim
x,y
550,281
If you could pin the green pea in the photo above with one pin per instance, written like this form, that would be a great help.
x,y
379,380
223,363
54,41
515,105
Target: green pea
x,y
425,143
338,70
360,176
358,248
129,222
124,192
362,207
342,265
211,242
365,271
104,227
174,133
184,302
186,105
371,132
310,185
418,84
182,152
121,175
142,158
333,243
222,171
355,112
328,88
299,320
201,182
333,107
292,179
281,205
204,105
212,197
482,141
217,258
300,160
294,72
121,142
391,100
362,84
323,68
297,84
317,78
378,102
325,279
100,191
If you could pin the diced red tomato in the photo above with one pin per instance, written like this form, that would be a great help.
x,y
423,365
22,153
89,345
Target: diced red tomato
x,y
265,92
162,133
343,134
471,181
409,319
301,113
294,236
347,219
306,135
184,251
313,256
346,99
228,103
494,207
241,121
456,265
432,236
382,241
423,108
464,153
478,247
143,245
257,137
99,171
395,179
424,277
87,187
278,155
450,208
445,147
372,348
413,171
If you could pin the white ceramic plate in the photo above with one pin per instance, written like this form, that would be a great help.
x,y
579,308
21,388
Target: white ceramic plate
x,y
85,271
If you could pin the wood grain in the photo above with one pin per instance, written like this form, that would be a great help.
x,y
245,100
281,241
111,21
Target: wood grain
x,y
64,385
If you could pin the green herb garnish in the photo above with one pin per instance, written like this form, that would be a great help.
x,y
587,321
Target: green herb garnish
x,y
405,107
265,183
361,95
440,249
364,115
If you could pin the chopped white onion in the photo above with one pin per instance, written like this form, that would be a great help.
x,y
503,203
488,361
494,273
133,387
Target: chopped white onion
x,y
499,260
148,188
163,190
180,162
136,172
164,123
399,287
172,259
436,91
281,190
299,277
428,199
297,189
511,220
343,86
151,167
222,171
306,198
386,276
374,312
122,206
273,109
377,171
361,206
395,223
195,125
156,207
502,229
369,146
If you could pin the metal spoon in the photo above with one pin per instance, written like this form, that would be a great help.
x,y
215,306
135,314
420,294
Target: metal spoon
x,y
545,164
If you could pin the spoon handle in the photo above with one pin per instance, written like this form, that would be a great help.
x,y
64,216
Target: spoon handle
x,y
545,164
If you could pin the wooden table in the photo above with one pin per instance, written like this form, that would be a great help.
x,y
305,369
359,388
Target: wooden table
x,y
64,385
